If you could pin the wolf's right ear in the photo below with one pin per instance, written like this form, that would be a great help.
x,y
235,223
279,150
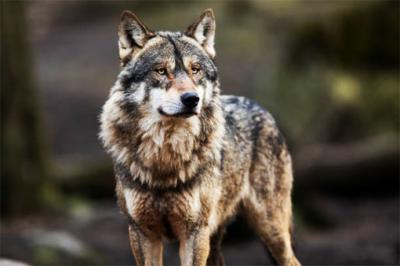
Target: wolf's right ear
x,y
133,35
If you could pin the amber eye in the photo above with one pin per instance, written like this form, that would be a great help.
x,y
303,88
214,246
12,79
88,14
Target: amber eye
x,y
161,71
195,69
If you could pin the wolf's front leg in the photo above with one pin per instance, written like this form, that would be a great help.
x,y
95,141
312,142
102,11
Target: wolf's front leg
x,y
147,251
195,247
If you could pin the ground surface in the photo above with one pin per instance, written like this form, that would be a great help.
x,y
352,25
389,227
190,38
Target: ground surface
x,y
362,233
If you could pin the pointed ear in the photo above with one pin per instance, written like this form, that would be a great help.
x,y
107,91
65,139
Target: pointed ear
x,y
133,35
203,31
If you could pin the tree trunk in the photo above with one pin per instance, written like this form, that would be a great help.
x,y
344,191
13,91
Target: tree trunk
x,y
25,186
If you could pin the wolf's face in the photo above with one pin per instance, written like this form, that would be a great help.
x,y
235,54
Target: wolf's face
x,y
168,74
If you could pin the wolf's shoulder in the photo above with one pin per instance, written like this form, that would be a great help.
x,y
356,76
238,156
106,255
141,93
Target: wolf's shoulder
x,y
246,122
241,108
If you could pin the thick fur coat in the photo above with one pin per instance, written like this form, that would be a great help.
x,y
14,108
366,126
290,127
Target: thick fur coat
x,y
187,159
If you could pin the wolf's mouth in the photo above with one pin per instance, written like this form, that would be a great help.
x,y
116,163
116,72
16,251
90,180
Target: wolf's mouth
x,y
184,113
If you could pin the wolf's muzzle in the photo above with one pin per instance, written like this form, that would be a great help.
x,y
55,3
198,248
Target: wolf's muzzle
x,y
190,99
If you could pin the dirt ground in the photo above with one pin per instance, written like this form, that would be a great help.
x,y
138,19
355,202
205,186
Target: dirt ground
x,y
362,233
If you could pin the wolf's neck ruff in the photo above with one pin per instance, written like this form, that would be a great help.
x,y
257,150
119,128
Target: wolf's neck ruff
x,y
161,151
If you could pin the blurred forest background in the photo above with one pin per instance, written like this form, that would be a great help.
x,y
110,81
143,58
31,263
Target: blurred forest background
x,y
327,70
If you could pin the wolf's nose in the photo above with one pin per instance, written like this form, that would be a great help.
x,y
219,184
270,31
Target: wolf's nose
x,y
190,99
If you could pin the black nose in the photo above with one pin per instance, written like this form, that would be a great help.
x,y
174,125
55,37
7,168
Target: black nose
x,y
190,99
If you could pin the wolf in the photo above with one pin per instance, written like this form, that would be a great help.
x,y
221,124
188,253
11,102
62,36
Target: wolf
x,y
187,159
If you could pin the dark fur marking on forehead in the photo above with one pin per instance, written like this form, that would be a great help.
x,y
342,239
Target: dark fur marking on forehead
x,y
179,65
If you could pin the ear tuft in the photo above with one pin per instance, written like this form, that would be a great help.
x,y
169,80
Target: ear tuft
x,y
203,31
133,35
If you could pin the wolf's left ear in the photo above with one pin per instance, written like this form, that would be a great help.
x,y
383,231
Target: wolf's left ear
x,y
203,31
133,35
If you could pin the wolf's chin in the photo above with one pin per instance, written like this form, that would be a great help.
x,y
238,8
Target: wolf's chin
x,y
182,114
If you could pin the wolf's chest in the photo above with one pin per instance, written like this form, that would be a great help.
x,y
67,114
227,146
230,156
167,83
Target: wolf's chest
x,y
167,214
168,140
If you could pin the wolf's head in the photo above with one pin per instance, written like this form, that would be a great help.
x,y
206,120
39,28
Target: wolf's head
x,y
172,74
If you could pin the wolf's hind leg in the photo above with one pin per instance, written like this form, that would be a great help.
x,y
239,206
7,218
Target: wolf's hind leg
x,y
272,225
268,206
215,258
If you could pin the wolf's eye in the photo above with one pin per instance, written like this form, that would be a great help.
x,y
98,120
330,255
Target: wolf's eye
x,y
195,69
161,71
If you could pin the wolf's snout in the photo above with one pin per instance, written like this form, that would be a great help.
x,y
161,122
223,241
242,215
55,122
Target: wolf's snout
x,y
190,99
